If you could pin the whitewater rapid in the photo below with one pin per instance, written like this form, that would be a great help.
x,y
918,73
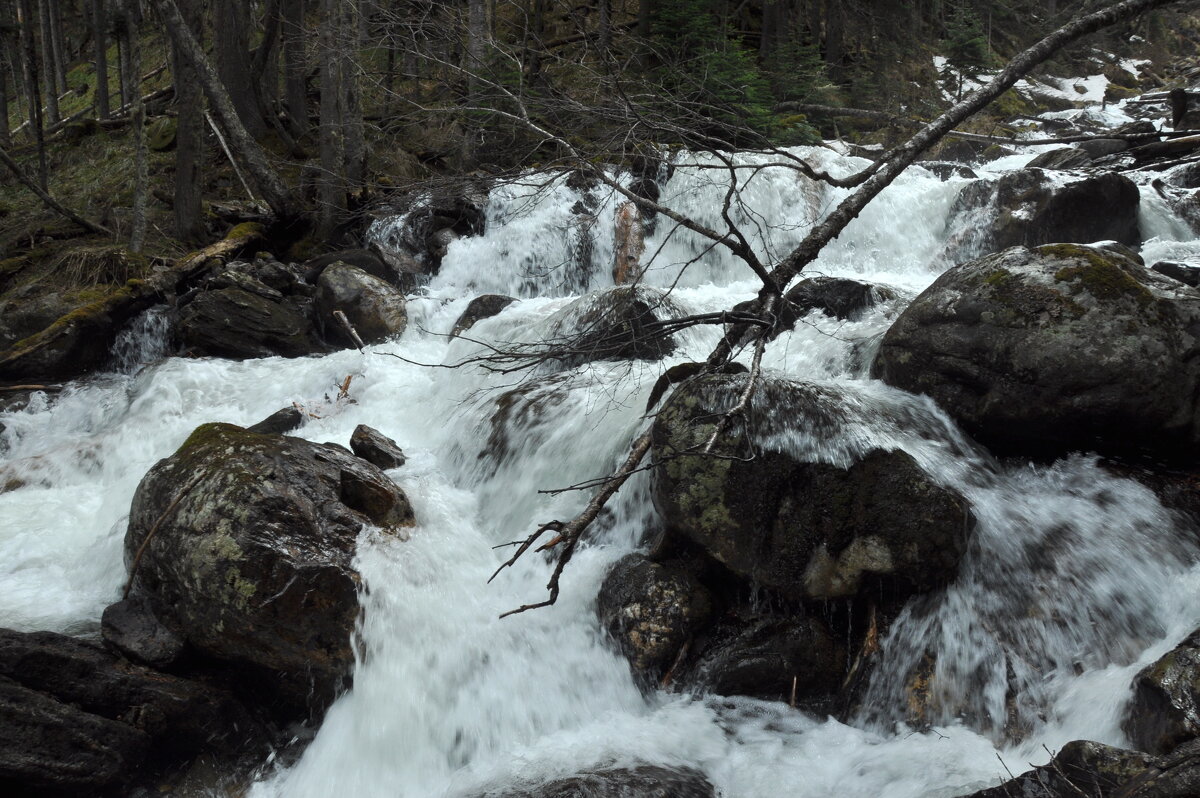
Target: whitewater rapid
x,y
449,700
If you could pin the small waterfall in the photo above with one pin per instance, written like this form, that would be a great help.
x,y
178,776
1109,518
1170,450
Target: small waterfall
x,y
1074,577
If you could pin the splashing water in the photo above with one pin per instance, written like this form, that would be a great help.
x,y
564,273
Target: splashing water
x,y
1073,578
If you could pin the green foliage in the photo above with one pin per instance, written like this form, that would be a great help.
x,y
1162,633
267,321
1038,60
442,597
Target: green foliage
x,y
965,44
703,66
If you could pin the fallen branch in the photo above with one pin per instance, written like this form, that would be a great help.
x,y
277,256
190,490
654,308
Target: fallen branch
x,y
349,328
571,531
48,201
137,558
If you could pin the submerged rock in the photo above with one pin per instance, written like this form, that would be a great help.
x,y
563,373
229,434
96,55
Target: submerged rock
x,y
480,308
248,542
1165,710
1055,349
75,718
375,309
646,781
806,529
1083,768
614,324
837,297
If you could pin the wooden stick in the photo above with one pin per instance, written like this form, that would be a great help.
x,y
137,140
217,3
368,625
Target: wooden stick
x,y
229,155
349,328
50,202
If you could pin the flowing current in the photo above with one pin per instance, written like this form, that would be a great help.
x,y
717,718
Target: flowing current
x,y
1074,578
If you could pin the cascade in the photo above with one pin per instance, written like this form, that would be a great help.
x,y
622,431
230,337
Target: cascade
x,y
1073,580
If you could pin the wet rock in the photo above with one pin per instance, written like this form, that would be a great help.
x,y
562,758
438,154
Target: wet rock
x,y
808,530
1081,768
1055,349
838,297
614,324
516,416
370,262
478,309
944,170
48,745
79,341
132,628
1061,158
1165,710
646,781
279,422
375,309
1032,207
74,717
423,222
239,324
252,554
1098,148
769,658
1186,273
651,610
376,448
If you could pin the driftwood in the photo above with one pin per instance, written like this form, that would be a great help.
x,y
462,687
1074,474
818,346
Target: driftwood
x,y
1173,146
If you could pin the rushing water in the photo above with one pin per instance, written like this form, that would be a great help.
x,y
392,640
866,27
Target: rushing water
x,y
1073,580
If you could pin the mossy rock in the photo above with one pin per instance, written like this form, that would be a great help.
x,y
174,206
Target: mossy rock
x,y
1059,348
160,134
248,541
805,529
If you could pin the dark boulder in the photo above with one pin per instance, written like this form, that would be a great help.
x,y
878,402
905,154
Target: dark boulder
x,y
375,309
279,422
614,324
364,259
1165,710
1081,768
133,628
646,781
805,529
252,553
1099,148
1056,349
651,610
944,170
478,309
421,224
838,297
774,658
1031,207
1186,273
75,718
238,324
1061,158
376,448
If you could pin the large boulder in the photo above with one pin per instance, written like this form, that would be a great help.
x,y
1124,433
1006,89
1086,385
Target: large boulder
x,y
613,324
1165,710
248,541
238,323
374,308
1033,206
806,529
645,781
1054,349
75,718
78,341
651,610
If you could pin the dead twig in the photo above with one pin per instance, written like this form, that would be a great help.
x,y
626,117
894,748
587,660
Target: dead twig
x,y
137,558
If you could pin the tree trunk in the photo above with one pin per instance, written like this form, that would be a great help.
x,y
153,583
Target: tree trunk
x,y
56,42
265,63
278,196
100,38
604,23
4,137
231,48
353,34
49,201
189,134
33,95
137,118
49,73
331,194
295,95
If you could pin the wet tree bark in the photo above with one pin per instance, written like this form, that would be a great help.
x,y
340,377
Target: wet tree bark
x,y
100,39
189,135
33,94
